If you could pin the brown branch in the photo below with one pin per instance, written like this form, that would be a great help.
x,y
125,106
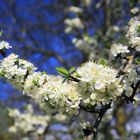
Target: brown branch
x,y
131,99
92,132
99,118
127,66
91,109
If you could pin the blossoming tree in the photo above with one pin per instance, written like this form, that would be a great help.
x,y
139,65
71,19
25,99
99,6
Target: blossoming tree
x,y
94,87
110,76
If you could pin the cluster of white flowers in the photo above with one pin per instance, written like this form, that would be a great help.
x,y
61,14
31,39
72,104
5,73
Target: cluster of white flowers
x,y
118,48
135,10
84,44
98,83
16,70
133,33
60,95
72,24
34,82
27,121
129,77
4,45
40,86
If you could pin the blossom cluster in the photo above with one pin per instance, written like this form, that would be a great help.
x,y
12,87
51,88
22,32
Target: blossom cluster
x,y
28,122
73,9
118,49
16,70
85,43
34,82
72,24
98,83
130,77
133,33
4,45
61,95
39,85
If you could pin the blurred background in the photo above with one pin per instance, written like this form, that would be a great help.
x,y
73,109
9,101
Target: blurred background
x,y
66,33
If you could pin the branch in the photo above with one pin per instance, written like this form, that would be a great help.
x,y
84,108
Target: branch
x,y
91,109
92,131
131,99
99,118
127,66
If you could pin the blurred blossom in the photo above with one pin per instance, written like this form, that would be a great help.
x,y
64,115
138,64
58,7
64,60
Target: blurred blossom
x,y
133,33
4,45
118,48
74,9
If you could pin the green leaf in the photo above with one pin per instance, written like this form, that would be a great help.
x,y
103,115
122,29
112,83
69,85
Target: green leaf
x,y
16,61
2,74
44,72
35,82
72,70
62,71
102,62
137,60
138,28
1,32
77,75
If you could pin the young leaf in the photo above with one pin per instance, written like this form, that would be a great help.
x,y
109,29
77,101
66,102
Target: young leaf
x,y
35,82
137,60
72,70
44,72
138,29
62,71
1,32
102,62
77,75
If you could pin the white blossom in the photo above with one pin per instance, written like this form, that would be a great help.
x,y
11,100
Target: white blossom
x,y
84,44
15,70
74,9
27,121
86,2
129,78
118,48
72,24
98,83
33,82
133,33
135,10
40,86
60,95
116,28
4,45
